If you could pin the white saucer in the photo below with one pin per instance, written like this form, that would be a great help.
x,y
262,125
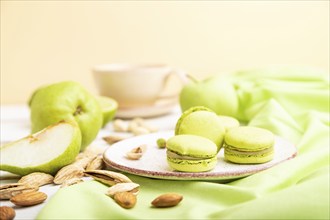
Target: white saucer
x,y
153,163
158,109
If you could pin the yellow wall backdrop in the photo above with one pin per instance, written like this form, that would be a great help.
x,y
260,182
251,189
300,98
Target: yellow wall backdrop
x,y
49,41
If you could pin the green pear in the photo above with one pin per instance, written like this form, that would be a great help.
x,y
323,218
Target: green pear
x,y
45,151
216,93
33,94
66,101
109,108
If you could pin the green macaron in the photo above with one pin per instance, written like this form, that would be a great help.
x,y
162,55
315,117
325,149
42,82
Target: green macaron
x,y
249,145
191,153
203,122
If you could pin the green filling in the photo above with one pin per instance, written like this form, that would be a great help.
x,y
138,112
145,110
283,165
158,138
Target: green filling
x,y
192,162
247,151
236,156
202,165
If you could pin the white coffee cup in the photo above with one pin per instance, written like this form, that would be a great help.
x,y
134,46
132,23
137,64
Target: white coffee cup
x,y
138,85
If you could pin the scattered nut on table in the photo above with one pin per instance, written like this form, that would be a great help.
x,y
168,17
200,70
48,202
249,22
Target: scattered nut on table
x,y
111,139
37,179
29,198
108,177
71,182
7,213
120,125
161,143
96,164
137,126
10,190
126,200
123,187
140,131
167,200
68,172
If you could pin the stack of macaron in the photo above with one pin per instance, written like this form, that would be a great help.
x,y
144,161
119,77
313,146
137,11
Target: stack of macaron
x,y
200,134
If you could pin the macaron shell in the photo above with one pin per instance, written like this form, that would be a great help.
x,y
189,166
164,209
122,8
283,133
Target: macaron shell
x,y
229,122
188,112
202,123
248,138
191,145
192,165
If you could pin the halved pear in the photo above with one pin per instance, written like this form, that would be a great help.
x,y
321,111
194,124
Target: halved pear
x,y
109,108
45,151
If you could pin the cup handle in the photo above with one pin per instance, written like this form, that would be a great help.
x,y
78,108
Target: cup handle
x,y
182,76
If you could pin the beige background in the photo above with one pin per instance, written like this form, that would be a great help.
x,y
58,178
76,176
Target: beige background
x,y
51,41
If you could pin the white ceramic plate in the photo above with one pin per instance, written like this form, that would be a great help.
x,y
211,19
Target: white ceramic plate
x,y
153,162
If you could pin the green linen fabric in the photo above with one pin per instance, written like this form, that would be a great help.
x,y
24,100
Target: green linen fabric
x,y
292,103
